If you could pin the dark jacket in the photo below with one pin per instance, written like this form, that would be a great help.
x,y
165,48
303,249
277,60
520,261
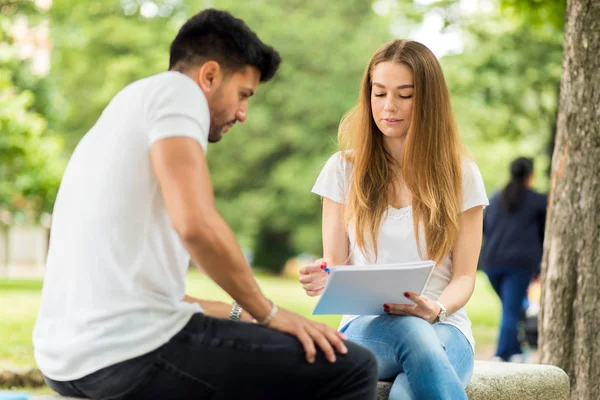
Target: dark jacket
x,y
514,240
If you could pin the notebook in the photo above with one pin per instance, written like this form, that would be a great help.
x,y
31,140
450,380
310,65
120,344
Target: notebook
x,y
364,289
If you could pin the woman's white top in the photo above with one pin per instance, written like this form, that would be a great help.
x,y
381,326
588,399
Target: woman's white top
x,y
396,241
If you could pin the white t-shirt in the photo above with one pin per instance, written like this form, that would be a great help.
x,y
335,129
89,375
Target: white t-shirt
x,y
396,239
115,272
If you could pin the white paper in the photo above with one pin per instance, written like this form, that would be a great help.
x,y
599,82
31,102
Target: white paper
x,y
363,290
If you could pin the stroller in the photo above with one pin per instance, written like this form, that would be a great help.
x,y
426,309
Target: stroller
x,y
529,321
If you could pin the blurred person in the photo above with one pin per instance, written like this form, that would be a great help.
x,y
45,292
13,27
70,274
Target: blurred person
x,y
401,190
513,228
135,203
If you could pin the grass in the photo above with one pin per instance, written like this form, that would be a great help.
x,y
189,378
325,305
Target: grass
x,y
19,303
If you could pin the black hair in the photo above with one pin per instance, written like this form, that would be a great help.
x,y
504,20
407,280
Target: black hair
x,y
513,193
217,35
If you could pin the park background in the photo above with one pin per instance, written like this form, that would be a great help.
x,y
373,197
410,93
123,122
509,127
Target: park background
x,y
61,62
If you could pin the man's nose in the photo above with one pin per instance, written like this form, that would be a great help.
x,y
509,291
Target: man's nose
x,y
242,114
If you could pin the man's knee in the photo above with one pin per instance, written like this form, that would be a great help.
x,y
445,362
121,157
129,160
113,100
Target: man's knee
x,y
362,359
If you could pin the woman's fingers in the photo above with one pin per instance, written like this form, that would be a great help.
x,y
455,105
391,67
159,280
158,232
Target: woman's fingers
x,y
313,293
419,300
403,309
423,308
313,277
314,286
317,266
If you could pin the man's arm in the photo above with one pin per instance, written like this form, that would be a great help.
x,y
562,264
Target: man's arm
x,y
182,172
217,309
180,167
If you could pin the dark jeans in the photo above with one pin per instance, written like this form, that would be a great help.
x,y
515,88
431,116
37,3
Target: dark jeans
x,y
510,283
219,359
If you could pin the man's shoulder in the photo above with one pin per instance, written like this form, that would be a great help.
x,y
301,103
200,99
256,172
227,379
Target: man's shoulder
x,y
162,81
174,91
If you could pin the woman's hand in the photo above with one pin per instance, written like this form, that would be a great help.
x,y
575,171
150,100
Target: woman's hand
x,y
313,277
424,308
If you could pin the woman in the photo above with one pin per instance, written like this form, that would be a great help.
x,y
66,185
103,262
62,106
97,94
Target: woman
x,y
400,191
513,227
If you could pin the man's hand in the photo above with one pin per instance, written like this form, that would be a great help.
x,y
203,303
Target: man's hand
x,y
310,333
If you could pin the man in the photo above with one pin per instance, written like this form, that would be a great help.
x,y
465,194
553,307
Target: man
x,y
134,204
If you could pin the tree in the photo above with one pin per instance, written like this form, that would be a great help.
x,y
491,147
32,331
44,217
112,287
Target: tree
x,y
30,155
99,48
504,88
570,315
263,170
504,83
292,125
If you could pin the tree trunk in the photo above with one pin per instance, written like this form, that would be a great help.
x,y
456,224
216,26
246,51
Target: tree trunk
x,y
570,315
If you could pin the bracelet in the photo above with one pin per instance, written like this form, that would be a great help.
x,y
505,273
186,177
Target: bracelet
x,y
269,317
236,312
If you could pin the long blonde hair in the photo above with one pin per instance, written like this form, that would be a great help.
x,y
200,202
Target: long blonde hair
x,y
431,164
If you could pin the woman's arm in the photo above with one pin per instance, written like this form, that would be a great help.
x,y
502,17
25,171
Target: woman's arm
x,y
336,245
335,248
465,256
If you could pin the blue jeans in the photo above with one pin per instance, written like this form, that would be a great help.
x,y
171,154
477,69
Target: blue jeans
x,y
510,283
424,361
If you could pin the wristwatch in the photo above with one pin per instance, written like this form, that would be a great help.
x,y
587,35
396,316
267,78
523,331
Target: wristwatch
x,y
236,312
443,313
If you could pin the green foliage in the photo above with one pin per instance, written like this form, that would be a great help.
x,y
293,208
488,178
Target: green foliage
x,y
505,93
537,13
504,87
505,82
30,162
98,50
292,123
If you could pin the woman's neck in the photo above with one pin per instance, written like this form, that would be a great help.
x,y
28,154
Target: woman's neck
x,y
395,147
399,195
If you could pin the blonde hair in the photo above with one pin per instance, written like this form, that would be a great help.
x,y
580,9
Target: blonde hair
x,y
431,164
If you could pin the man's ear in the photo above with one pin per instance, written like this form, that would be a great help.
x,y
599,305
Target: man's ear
x,y
210,76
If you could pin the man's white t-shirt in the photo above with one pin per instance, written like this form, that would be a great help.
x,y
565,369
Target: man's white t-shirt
x,y
115,272
396,239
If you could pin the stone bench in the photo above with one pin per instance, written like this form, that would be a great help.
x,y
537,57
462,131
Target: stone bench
x,y
508,381
493,381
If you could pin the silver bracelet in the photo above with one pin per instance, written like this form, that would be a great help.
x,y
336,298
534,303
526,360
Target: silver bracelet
x,y
269,317
236,312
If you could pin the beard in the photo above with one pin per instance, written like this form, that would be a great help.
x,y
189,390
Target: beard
x,y
218,118
215,133
216,129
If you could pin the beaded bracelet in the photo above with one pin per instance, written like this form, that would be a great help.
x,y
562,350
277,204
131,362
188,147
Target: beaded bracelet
x,y
269,317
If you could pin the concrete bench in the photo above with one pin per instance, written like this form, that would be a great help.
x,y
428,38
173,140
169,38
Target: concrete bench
x,y
508,381
493,381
